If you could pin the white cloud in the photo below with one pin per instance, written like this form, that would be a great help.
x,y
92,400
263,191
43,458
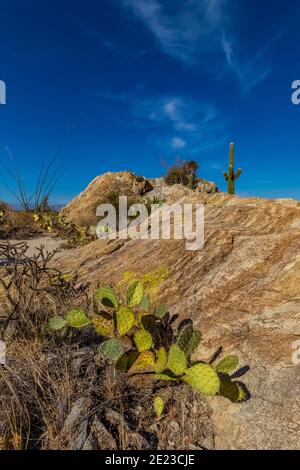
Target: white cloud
x,y
197,32
181,113
185,31
178,143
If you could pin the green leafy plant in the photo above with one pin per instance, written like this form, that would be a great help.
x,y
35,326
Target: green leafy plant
x,y
140,341
231,176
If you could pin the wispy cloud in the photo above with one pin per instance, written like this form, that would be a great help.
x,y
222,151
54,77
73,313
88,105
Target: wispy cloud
x,y
177,112
197,124
178,143
199,33
250,69
181,28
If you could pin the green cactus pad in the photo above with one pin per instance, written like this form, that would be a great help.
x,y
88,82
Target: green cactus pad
x,y
140,318
203,378
227,365
56,323
145,362
189,339
159,405
145,303
143,340
122,363
232,391
111,350
166,377
125,320
148,322
177,361
162,360
107,296
77,318
161,311
135,294
103,326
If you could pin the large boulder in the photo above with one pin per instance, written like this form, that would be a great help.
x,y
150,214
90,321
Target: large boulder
x,y
82,209
243,291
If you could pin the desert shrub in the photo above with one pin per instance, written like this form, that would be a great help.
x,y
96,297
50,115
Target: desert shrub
x,y
140,340
31,289
183,172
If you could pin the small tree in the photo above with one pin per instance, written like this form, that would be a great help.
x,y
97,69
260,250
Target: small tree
x,y
183,172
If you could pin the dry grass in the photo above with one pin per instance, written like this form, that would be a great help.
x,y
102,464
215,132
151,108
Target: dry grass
x,y
55,390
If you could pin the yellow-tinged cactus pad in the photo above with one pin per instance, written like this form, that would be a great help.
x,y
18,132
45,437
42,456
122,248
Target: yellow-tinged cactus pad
x,y
145,362
103,326
125,320
177,361
165,377
203,378
227,365
143,340
159,405
77,318
162,360
135,294
232,391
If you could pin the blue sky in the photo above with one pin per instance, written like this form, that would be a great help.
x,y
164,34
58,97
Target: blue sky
x,y
125,84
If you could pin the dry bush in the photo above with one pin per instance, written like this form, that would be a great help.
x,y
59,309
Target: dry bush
x,y
17,224
32,289
183,172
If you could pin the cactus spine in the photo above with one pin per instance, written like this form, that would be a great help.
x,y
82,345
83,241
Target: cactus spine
x,y
231,176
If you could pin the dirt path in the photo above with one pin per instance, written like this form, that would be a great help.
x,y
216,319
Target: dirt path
x,y
49,242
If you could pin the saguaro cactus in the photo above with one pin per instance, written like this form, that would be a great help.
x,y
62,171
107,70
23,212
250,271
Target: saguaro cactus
x,y
231,176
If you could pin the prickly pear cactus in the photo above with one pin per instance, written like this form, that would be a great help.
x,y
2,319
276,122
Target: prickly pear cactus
x,y
145,362
189,339
232,391
135,294
177,361
143,340
227,365
203,378
77,318
162,360
145,303
103,326
56,323
167,376
106,296
125,320
159,405
161,311
122,363
111,350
